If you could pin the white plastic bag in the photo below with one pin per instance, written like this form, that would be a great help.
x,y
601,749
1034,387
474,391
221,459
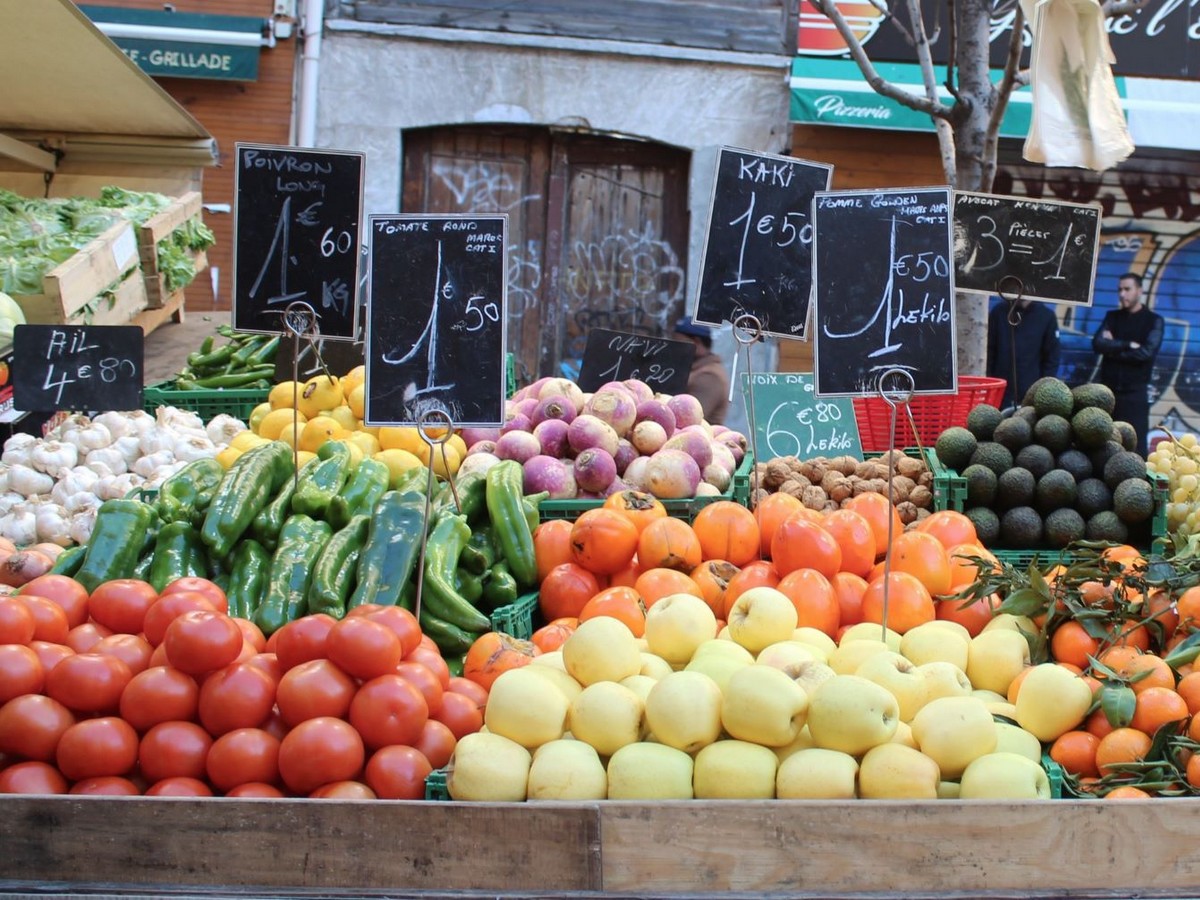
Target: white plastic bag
x,y
1077,115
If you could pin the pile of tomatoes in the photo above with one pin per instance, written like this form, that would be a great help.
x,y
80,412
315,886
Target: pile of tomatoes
x,y
129,691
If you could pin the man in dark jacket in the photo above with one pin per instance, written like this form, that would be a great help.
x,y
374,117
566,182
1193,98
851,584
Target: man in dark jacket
x,y
708,381
1034,326
1128,342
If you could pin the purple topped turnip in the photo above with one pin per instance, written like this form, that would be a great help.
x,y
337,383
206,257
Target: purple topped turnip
x,y
736,442
634,474
587,431
595,469
555,407
640,390
473,435
516,422
648,437
552,436
482,447
615,406
626,453
656,411
518,445
694,444
563,387
545,473
671,475
687,409
478,462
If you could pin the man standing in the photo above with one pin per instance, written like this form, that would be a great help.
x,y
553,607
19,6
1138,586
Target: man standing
x,y
1030,327
707,382
1128,342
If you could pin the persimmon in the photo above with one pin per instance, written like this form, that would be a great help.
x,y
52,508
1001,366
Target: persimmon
x,y
879,511
973,615
760,572
802,544
565,589
621,603
922,555
669,543
950,527
770,511
713,577
908,602
494,653
727,530
849,589
552,545
639,507
855,537
604,541
815,600
654,584
962,570
553,635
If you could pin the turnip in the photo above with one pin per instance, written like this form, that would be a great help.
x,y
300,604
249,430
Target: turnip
x,y
640,390
473,435
552,436
695,444
656,411
588,431
545,473
671,475
555,407
518,445
634,474
716,475
516,422
722,456
626,453
482,447
736,442
616,486
648,437
704,489
526,407
563,387
613,405
595,469
478,462
687,409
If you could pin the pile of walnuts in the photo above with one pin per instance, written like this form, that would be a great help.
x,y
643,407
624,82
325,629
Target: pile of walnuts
x,y
827,484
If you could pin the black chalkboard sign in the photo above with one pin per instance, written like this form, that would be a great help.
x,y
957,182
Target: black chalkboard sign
x,y
790,420
662,363
296,222
883,268
77,367
758,252
437,320
1041,249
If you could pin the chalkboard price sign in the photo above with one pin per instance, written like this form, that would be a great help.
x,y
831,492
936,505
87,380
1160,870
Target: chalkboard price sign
x,y
77,367
296,237
884,275
436,326
662,363
1042,249
790,420
758,252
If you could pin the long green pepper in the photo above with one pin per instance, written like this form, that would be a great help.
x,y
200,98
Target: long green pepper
x,y
246,488
506,509
117,542
439,596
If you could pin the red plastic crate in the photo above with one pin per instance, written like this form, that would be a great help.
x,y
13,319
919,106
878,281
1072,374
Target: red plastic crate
x,y
931,414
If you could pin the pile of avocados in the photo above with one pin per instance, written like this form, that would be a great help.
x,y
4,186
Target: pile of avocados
x,y
1055,470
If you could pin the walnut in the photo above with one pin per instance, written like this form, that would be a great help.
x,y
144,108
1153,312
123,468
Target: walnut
x,y
831,505
871,486
924,514
921,497
774,473
844,464
901,488
813,497
832,478
911,467
865,469
817,469
758,496
925,479
795,487
841,491
907,511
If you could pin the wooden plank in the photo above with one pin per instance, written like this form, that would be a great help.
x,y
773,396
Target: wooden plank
x,y
158,227
901,848
128,300
156,283
27,154
367,845
72,284
152,318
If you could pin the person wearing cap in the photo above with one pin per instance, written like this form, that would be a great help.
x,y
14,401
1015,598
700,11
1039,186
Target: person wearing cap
x,y
708,381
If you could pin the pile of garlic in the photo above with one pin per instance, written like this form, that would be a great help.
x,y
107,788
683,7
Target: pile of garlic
x,y
51,487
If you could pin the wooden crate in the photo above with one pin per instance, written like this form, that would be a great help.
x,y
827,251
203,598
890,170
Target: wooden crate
x,y
157,228
71,285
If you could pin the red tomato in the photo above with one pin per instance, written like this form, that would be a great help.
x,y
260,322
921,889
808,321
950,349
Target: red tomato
x,y
238,696
255,789
121,604
241,757
433,661
202,640
252,633
83,637
319,751
134,650
314,689
363,648
66,592
32,778
398,773
159,694
275,726
436,743
268,663
397,618
388,710
49,653
21,672
173,749
343,790
179,787
92,747
460,714
159,657
209,589
31,726
303,639
106,785
50,619
17,624
89,683
469,688
166,609
425,680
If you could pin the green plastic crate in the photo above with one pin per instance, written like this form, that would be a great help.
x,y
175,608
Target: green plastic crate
x,y
949,488
1160,485
435,785
206,403
1046,557
517,619
1055,773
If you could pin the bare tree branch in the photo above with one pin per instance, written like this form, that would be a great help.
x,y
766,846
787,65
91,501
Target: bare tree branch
x,y
952,52
938,111
925,58
1004,89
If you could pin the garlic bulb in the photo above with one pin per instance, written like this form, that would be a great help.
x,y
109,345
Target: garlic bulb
x,y
178,419
110,457
8,500
224,428
50,456
17,449
130,448
146,466
93,437
117,424
29,481
52,522
114,487
189,449
79,529
157,439
4,478
20,525
80,501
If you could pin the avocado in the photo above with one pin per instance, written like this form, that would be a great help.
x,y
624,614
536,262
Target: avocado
x,y
1053,398
1053,432
1014,433
1028,413
1092,495
1123,465
1036,458
982,421
954,447
1031,391
1106,526
1099,396
987,524
1064,526
1091,427
1015,487
1126,434
1133,500
1076,462
1101,456
981,485
995,456
1021,527
1055,490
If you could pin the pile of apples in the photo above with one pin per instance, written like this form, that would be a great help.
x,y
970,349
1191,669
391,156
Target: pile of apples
x,y
764,709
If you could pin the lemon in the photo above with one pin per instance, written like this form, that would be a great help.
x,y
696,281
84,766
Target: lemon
x,y
290,434
244,440
317,431
356,453
353,379
257,414
368,443
403,438
372,430
398,462
357,400
451,460
228,455
458,444
345,417
320,392
284,394
278,419
303,457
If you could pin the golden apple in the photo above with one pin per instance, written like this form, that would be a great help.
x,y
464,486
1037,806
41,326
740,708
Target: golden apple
x,y
894,672
526,707
601,649
894,771
763,705
488,767
567,770
1051,700
734,770
761,616
852,714
647,771
996,658
683,711
816,774
676,625
953,731
1004,776
607,716
930,642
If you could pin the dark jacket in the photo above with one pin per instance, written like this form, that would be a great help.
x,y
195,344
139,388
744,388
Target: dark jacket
x,y
708,382
1122,367
1037,347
